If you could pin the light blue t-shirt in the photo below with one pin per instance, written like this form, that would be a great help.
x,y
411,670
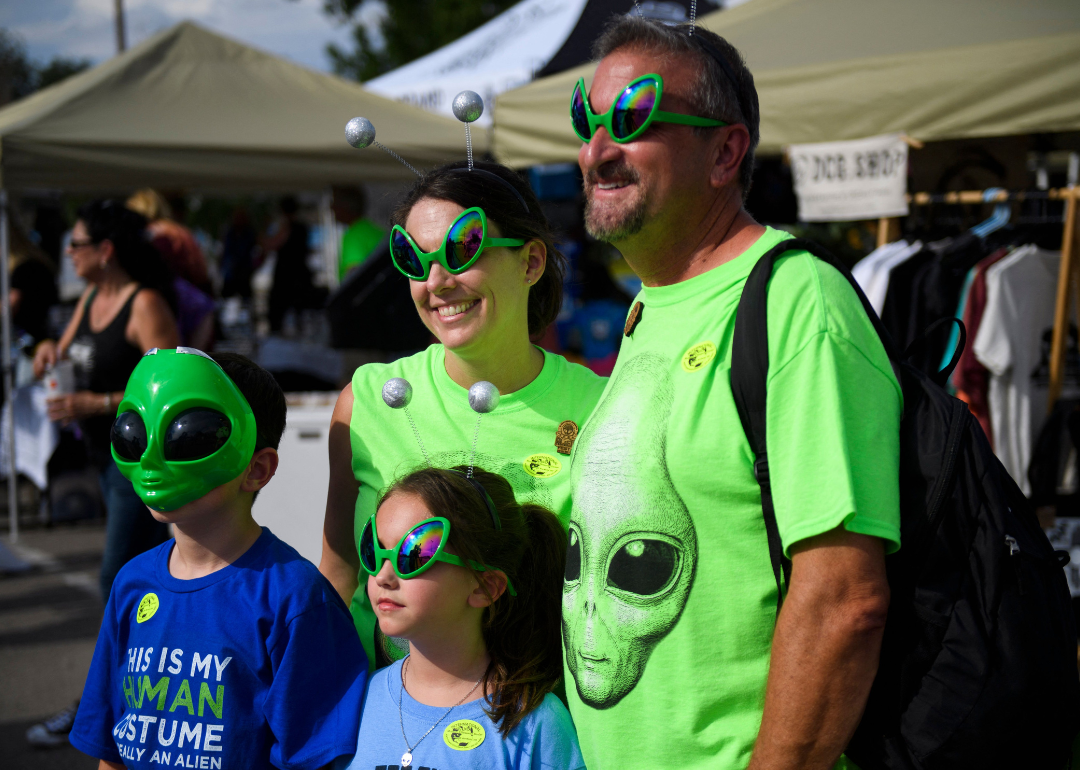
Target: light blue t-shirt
x,y
466,738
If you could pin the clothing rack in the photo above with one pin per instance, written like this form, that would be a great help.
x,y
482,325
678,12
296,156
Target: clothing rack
x,y
1068,274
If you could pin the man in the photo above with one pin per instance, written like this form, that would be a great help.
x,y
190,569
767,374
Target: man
x,y
675,655
362,235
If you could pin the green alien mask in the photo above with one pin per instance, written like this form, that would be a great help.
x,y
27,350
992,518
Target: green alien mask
x,y
182,429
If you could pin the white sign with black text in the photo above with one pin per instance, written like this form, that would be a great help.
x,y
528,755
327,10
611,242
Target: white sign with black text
x,y
857,179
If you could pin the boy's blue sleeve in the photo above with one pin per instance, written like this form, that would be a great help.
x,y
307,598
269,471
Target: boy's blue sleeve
x,y
313,706
102,702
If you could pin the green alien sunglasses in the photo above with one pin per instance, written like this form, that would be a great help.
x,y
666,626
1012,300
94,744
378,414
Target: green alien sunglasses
x,y
632,112
465,241
416,552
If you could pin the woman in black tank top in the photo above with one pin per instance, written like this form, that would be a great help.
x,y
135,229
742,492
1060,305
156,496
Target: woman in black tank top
x,y
123,313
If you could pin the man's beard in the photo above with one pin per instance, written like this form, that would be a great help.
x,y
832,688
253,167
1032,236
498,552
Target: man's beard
x,y
613,222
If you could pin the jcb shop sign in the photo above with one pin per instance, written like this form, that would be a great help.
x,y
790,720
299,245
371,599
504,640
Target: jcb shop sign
x,y
859,179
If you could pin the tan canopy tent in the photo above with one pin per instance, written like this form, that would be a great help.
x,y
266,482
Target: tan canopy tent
x,y
844,69
189,108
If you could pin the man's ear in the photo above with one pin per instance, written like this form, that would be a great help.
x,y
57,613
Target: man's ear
x,y
491,584
732,144
260,470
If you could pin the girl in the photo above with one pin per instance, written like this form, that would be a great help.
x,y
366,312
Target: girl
x,y
473,580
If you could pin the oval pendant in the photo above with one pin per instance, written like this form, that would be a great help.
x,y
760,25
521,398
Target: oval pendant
x,y
406,759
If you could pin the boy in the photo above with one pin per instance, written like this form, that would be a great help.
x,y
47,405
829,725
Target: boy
x,y
222,648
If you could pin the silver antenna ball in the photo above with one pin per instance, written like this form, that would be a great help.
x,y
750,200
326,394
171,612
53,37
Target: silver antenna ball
x,y
360,133
483,397
397,393
468,106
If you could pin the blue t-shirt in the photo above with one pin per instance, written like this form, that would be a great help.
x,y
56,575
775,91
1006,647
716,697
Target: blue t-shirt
x,y
466,738
255,665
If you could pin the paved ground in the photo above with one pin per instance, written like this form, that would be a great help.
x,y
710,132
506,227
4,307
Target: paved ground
x,y
49,618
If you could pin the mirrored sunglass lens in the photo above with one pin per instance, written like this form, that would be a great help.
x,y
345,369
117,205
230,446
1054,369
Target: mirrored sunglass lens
x,y
419,547
195,434
577,114
129,436
367,548
633,108
404,256
464,240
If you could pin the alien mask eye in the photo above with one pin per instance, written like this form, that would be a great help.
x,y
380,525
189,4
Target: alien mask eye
x,y
195,434
644,567
129,436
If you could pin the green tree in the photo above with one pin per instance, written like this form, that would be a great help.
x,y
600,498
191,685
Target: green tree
x,y
408,28
20,76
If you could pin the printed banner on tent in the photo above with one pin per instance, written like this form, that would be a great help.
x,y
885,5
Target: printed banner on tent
x,y
857,179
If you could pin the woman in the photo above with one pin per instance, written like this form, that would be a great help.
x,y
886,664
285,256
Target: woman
x,y
122,313
483,316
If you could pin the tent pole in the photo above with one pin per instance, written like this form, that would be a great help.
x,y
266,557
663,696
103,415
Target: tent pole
x,y
1064,299
9,380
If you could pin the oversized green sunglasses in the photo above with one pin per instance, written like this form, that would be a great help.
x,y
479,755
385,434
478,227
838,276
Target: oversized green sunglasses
x,y
465,241
416,552
632,112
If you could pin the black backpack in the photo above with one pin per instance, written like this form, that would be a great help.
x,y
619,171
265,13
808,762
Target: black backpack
x,y
979,658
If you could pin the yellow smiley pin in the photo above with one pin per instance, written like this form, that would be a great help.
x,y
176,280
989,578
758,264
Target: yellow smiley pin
x,y
148,605
696,357
542,466
463,735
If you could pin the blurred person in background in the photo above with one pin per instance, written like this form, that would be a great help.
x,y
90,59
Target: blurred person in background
x,y
362,236
33,286
185,260
125,311
293,286
238,254
175,242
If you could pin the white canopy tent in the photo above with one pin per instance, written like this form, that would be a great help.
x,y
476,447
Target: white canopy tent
x,y
504,53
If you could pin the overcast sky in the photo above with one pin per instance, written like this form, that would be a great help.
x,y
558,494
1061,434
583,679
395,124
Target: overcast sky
x,y
297,29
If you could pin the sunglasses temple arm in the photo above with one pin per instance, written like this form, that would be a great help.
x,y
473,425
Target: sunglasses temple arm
x,y
400,159
416,432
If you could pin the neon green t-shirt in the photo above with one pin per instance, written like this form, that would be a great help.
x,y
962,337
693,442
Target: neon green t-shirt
x,y
517,440
357,244
669,601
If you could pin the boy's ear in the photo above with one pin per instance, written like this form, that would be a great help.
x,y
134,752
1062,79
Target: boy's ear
x,y
260,470
491,584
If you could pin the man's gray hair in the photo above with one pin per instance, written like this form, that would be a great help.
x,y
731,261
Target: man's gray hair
x,y
715,95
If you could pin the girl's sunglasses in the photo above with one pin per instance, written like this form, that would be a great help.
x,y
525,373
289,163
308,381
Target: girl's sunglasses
x,y
422,546
465,241
195,434
631,113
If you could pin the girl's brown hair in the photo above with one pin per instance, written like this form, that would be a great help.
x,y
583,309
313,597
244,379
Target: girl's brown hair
x,y
502,207
523,632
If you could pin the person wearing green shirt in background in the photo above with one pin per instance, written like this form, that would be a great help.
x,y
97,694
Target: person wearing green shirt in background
x,y
673,647
484,317
361,236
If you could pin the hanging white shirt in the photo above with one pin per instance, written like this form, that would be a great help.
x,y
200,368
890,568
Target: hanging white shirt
x,y
1013,343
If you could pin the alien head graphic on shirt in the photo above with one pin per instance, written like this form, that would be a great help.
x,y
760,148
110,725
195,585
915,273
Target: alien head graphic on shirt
x,y
633,548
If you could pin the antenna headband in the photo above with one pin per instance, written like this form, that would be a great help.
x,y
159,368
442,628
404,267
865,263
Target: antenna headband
x,y
495,178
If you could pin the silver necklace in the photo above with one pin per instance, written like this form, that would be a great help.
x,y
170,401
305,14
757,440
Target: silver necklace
x,y
406,758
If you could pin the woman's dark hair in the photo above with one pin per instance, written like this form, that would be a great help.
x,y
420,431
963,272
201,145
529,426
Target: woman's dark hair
x,y
109,220
523,632
503,208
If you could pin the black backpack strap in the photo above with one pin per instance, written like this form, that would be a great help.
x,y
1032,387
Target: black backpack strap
x,y
750,369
